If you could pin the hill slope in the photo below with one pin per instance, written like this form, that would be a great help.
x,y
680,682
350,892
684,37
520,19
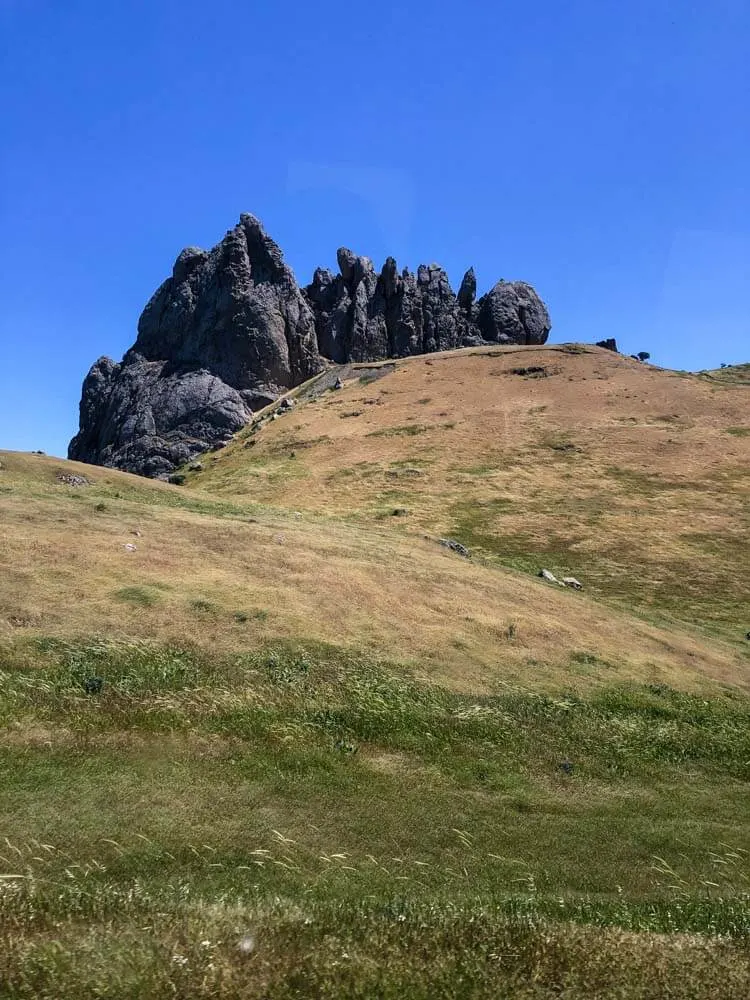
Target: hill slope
x,y
634,479
223,574
261,737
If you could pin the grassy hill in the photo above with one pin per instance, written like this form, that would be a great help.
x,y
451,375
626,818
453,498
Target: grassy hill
x,y
633,479
330,756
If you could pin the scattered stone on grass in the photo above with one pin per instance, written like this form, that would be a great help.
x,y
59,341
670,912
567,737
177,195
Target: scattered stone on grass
x,y
454,546
570,581
70,480
246,944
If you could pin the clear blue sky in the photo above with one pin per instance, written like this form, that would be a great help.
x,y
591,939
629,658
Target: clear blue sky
x,y
598,150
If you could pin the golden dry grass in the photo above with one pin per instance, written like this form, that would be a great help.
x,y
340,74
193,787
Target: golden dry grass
x,y
634,478
230,578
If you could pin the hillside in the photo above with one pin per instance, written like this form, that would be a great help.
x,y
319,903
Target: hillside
x,y
263,736
633,479
224,574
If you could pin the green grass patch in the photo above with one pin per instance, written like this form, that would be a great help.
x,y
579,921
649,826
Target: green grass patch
x,y
204,607
144,597
407,430
326,804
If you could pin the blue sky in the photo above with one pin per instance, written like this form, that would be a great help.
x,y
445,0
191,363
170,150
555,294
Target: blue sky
x,y
600,151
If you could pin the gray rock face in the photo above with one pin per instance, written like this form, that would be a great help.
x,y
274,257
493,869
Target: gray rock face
x,y
149,418
512,313
231,330
228,332
364,316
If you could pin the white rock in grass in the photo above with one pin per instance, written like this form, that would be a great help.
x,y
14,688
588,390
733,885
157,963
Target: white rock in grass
x,y
246,944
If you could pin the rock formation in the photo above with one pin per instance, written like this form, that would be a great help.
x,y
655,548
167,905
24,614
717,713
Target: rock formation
x,y
227,333
231,330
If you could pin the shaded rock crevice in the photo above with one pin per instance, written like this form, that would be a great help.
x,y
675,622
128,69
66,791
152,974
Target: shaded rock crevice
x,y
230,330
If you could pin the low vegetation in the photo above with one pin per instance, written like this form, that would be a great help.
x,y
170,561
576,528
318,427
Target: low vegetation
x,y
299,821
624,465
261,734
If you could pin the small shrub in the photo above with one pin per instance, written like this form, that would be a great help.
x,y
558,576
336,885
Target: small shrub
x,y
203,607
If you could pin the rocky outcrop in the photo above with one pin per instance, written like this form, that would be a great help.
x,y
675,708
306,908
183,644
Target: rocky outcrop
x,y
227,333
149,417
364,316
231,330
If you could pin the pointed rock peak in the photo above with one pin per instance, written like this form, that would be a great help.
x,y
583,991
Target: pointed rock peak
x,y
187,261
353,268
468,290
322,276
390,266
347,261
251,222
265,256
389,276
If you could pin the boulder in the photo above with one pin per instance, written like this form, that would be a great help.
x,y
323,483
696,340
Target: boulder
x,y
454,546
513,313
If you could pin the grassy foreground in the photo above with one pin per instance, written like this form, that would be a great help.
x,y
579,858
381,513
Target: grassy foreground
x,y
299,821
